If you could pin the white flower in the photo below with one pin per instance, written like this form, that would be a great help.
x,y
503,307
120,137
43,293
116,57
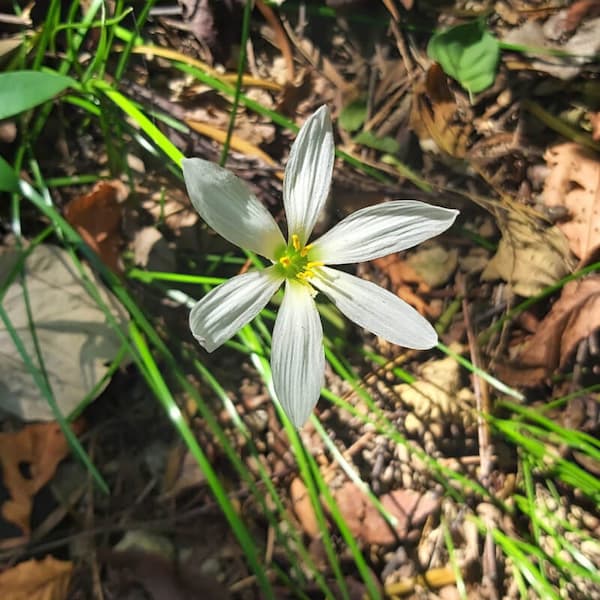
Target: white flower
x,y
297,358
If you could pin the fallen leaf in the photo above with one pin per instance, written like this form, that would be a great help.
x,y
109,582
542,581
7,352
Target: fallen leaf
x,y
152,251
29,459
76,342
433,263
437,396
46,579
400,274
409,507
529,256
97,218
434,116
574,182
581,47
574,317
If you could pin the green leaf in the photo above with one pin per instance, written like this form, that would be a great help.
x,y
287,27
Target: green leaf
x,y
9,182
22,90
469,53
353,115
385,144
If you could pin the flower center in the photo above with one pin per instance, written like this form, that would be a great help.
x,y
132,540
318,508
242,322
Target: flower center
x,y
294,261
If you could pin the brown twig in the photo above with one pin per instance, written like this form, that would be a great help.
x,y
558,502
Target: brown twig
x,y
280,37
481,390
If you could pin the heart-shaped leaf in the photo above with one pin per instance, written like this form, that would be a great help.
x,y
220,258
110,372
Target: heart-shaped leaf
x,y
469,53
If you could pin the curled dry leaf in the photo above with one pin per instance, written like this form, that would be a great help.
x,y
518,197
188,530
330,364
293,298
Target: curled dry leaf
x,y
434,116
46,579
97,218
529,257
575,316
409,507
574,182
38,449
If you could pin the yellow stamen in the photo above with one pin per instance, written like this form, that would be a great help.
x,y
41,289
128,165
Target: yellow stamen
x,y
285,261
296,242
311,264
305,250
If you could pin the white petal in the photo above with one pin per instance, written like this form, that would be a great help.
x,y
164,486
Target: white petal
x,y
375,309
230,306
308,174
380,230
297,358
226,204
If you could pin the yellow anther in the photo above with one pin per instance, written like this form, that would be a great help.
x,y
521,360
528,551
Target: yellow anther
x,y
285,261
296,242
305,250
311,264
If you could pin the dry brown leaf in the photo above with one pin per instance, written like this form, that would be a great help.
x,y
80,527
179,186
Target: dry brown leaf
x,y
433,116
38,447
400,274
574,317
409,507
97,218
46,579
574,182
529,257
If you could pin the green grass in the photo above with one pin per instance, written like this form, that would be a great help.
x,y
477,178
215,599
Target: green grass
x,y
164,363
